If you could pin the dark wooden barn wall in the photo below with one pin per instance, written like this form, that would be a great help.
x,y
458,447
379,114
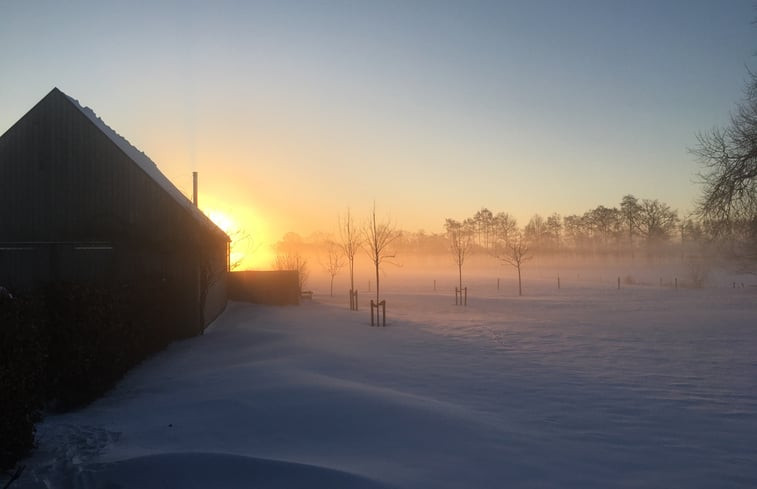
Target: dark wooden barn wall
x,y
63,180
272,287
74,206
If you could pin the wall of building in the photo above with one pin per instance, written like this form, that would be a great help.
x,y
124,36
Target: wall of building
x,y
75,208
275,287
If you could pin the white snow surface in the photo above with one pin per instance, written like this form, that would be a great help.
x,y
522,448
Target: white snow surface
x,y
589,387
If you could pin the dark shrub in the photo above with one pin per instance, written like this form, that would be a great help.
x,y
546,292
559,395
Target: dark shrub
x,y
90,338
97,334
66,345
22,364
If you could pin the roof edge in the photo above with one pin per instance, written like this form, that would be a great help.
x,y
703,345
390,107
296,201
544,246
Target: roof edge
x,y
147,165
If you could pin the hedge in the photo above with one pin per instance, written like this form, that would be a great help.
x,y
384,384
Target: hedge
x,y
65,345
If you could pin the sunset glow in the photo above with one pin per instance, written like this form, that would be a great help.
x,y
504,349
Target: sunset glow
x,y
250,244
222,220
293,113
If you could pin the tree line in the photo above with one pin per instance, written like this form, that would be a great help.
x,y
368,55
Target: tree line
x,y
633,224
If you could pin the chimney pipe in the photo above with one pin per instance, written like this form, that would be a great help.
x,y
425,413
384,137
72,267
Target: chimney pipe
x,y
194,188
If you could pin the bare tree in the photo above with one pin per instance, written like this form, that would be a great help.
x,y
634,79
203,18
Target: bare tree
x,y
350,240
241,246
333,263
484,222
577,230
517,253
629,211
505,227
460,236
535,231
729,156
604,223
657,221
289,257
378,238
290,260
553,230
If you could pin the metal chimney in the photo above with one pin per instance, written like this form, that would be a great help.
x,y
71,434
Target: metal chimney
x,y
194,188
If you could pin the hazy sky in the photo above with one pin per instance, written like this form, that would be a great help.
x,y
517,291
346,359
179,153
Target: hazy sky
x,y
293,111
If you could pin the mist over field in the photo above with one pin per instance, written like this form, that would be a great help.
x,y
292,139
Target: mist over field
x,y
597,248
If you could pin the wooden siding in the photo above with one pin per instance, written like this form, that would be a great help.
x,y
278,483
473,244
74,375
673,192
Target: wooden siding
x,y
65,186
272,287
61,179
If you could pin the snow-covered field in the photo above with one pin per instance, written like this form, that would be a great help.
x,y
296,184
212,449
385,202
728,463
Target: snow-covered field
x,y
586,386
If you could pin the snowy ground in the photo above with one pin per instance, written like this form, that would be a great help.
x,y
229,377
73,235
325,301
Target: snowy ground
x,y
587,386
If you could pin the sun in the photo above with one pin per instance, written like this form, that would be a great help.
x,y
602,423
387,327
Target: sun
x,y
239,237
222,220
247,233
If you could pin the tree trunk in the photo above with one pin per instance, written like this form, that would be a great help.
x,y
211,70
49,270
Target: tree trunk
x,y
520,289
331,293
352,274
460,276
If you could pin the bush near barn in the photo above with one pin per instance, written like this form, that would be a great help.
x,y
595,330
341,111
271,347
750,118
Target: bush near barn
x,y
65,345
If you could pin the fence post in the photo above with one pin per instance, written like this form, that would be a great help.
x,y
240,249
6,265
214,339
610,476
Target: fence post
x,y
618,283
380,314
460,299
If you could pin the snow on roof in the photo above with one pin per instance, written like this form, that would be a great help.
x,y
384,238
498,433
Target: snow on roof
x,y
146,164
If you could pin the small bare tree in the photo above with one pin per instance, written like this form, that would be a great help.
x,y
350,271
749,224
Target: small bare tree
x,y
505,227
289,257
516,253
333,263
378,238
291,260
350,241
241,246
460,236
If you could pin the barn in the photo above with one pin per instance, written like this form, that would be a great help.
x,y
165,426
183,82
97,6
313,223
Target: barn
x,y
80,204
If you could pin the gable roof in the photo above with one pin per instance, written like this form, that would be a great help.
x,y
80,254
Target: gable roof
x,y
146,164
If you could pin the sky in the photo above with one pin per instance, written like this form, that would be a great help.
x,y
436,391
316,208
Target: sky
x,y
292,112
